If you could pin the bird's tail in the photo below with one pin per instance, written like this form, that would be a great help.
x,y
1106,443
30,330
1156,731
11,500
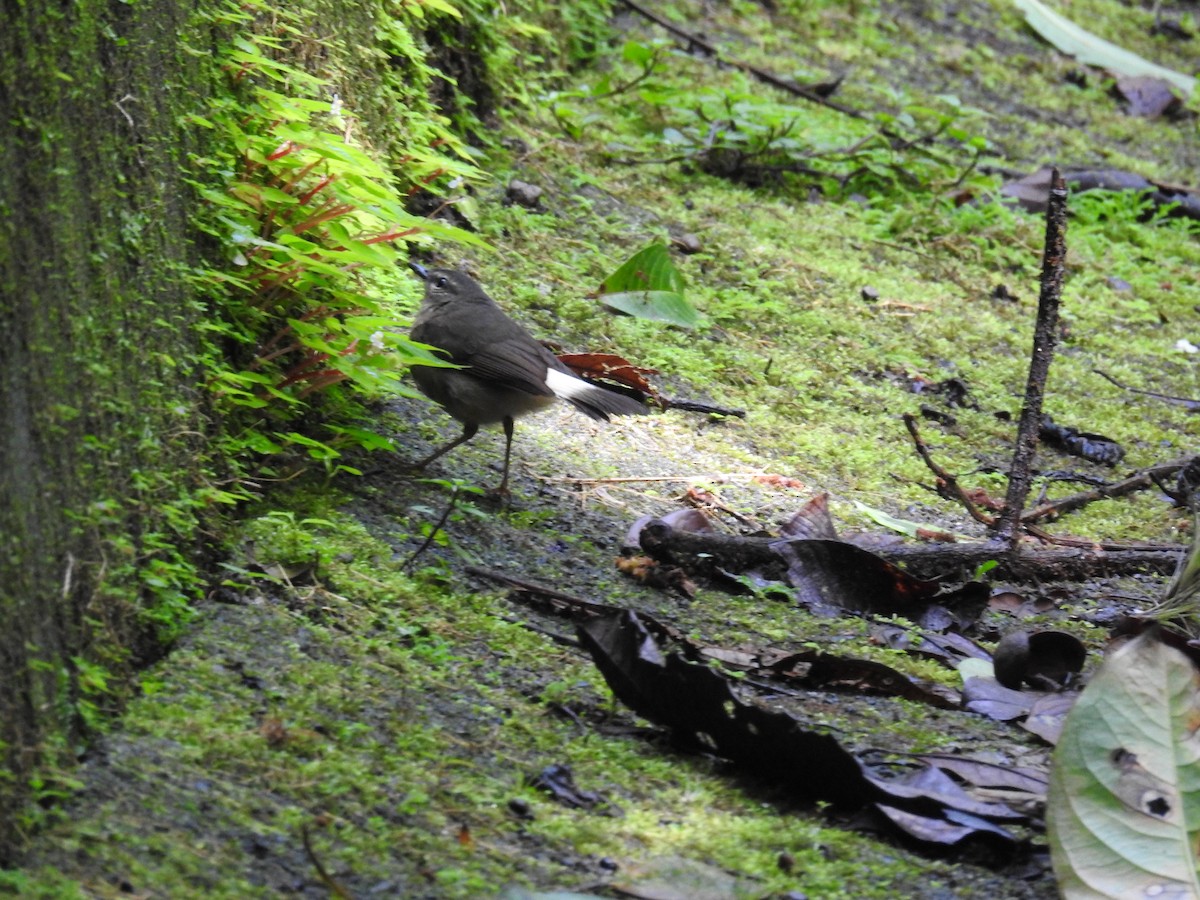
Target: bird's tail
x,y
591,399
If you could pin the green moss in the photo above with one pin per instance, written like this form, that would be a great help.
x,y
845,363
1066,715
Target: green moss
x,y
363,721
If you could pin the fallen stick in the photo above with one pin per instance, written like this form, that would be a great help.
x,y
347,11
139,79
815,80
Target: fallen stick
x,y
706,552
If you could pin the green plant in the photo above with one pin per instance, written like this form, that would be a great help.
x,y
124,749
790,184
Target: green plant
x,y
310,226
738,131
432,531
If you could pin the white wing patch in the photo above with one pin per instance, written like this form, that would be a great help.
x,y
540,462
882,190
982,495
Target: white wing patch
x,y
568,387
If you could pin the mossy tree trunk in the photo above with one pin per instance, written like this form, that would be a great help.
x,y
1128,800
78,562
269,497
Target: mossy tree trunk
x,y
99,408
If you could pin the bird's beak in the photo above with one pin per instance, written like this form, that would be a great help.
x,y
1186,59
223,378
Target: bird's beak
x,y
421,271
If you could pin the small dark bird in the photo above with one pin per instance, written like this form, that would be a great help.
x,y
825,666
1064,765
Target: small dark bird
x,y
507,373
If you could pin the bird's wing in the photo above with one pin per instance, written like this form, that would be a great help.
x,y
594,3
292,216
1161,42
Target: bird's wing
x,y
519,363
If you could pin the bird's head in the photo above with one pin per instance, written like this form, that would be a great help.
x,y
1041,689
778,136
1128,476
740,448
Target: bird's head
x,y
443,286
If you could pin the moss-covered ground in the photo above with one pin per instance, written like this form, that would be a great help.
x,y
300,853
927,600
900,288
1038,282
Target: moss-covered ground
x,y
375,717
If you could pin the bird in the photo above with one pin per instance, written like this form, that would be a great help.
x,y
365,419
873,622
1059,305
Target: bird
x,y
505,372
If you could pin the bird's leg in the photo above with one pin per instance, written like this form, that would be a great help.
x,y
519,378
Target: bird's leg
x,y
508,433
469,431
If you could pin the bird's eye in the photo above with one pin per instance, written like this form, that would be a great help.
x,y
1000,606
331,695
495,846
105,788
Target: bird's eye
x,y
441,281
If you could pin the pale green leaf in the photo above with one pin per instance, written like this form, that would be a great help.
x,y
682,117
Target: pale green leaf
x,y
658,306
649,286
1092,50
904,526
1123,807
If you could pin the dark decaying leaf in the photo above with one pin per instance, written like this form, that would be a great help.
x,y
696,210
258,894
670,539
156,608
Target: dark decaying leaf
x,y
986,774
1031,193
1048,715
837,575
812,521
936,617
666,686
700,708
815,670
558,781
1147,97
1092,447
954,828
936,415
955,391
1020,606
834,575
930,783
1043,712
948,648
990,698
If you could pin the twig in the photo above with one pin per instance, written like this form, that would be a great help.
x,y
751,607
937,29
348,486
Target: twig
x,y
1045,335
1139,481
335,887
561,639
433,533
701,499
945,479
634,479
1186,403
1095,546
693,40
66,588
535,588
697,406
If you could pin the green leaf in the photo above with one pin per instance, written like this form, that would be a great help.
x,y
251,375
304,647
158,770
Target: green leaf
x,y
260,443
1092,50
650,287
658,306
904,526
1123,806
635,52
367,440
650,269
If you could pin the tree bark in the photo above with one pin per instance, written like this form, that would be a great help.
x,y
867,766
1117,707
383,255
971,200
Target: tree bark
x,y
99,410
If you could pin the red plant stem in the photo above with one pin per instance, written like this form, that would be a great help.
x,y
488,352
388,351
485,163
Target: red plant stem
x,y
267,357
297,176
390,236
264,353
433,176
334,377
281,151
320,186
315,220
306,375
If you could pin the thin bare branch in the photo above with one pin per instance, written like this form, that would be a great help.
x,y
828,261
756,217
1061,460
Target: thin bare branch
x,y
1045,336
